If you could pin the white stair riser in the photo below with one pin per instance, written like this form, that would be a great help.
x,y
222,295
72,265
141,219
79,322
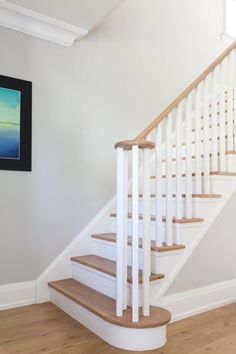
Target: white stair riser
x,y
213,184
201,206
186,231
223,184
193,145
230,166
161,262
117,336
102,282
231,163
183,184
183,167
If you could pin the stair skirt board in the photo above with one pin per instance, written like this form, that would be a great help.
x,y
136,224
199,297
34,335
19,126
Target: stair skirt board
x,y
117,336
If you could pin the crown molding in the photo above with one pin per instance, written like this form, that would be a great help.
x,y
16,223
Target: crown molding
x,y
38,25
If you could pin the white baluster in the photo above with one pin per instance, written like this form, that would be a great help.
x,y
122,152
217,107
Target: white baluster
x,y
159,187
120,231
234,95
198,141
169,182
214,119
125,231
222,118
179,161
206,158
189,167
135,235
229,105
146,233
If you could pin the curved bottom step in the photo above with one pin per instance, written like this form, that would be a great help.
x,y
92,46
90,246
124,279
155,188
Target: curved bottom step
x,y
97,312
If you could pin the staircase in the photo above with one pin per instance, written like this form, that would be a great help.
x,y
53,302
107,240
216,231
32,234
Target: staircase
x,y
172,182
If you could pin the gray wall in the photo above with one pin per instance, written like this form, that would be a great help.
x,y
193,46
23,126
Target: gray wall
x,y
213,260
85,99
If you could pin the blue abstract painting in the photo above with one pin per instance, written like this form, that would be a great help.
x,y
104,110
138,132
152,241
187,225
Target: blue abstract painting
x,y
10,102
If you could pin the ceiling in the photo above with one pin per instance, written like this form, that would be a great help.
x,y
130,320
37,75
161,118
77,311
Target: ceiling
x,y
82,13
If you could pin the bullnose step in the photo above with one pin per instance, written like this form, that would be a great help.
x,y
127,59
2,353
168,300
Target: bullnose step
x,y
105,307
111,237
109,267
175,220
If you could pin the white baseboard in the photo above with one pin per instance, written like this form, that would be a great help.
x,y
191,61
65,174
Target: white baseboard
x,y
17,295
195,301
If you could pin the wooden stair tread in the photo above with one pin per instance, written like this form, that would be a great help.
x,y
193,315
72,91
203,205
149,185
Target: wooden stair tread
x,y
109,267
194,142
211,173
202,196
210,126
175,220
173,176
111,237
193,157
105,307
223,174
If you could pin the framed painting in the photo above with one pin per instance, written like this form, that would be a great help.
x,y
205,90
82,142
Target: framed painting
x,y
15,124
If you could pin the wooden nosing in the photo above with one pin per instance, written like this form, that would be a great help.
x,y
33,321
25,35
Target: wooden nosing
x,y
111,237
174,219
109,267
203,196
233,174
105,307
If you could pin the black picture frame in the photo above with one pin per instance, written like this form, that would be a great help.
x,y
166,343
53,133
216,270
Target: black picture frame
x,y
23,161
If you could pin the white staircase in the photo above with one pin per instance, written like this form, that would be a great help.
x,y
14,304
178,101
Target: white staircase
x,y
180,175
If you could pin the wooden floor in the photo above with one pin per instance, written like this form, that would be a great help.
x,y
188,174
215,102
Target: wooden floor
x,y
46,329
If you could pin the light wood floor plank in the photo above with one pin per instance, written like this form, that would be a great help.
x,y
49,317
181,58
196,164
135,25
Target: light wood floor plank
x,y
46,329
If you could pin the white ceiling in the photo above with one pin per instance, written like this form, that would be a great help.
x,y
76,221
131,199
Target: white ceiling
x,y
83,13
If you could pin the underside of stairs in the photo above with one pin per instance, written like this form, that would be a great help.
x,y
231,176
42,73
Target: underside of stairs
x,y
183,174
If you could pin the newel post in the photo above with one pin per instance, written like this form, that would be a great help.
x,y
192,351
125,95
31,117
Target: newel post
x,y
122,229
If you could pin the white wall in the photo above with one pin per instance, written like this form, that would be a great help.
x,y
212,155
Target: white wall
x,y
213,261
84,100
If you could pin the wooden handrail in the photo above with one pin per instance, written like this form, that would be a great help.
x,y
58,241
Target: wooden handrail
x,y
185,93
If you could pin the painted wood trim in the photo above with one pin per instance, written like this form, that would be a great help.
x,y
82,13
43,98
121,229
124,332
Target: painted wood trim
x,y
192,302
38,25
17,295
